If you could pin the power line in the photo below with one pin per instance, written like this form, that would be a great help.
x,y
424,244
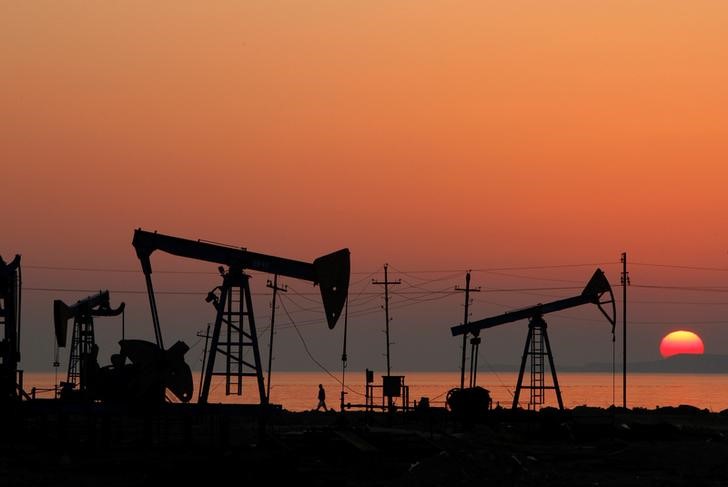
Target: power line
x,y
710,289
111,270
683,322
134,271
521,276
202,293
115,291
411,272
308,352
413,275
684,267
364,273
689,303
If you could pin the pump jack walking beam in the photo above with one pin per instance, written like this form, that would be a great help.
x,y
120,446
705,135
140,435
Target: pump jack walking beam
x,y
597,291
330,272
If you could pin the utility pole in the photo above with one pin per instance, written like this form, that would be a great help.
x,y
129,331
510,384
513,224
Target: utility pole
x,y
465,322
625,283
344,358
273,285
207,337
386,284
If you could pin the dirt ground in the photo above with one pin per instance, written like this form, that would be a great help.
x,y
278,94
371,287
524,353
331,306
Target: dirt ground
x,y
45,444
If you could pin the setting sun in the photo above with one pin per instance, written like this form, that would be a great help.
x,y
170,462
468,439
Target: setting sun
x,y
681,342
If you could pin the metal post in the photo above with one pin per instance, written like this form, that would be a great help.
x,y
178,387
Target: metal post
x,y
557,389
210,365
467,290
474,360
204,360
273,285
386,284
344,357
254,341
155,314
625,283
523,367
386,314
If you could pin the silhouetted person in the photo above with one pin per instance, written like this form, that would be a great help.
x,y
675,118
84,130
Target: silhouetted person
x,y
321,398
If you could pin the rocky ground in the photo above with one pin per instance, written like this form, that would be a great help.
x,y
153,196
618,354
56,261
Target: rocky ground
x,y
45,444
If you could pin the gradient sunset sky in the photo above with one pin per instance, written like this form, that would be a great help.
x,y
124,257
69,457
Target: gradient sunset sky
x,y
437,136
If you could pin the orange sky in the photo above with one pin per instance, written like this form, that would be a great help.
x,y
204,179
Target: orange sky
x,y
433,135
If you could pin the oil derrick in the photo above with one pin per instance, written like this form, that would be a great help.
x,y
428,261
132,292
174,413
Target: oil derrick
x,y
83,339
10,299
233,302
538,348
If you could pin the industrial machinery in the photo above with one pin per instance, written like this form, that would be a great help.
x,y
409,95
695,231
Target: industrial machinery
x,y
139,374
469,402
83,338
10,296
597,291
233,302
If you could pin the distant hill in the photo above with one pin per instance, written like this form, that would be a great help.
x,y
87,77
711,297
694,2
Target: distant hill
x,y
677,364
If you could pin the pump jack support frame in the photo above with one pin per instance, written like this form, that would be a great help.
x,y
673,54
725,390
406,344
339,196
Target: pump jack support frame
x,y
236,337
537,323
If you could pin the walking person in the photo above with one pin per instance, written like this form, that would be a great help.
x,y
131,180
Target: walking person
x,y
321,398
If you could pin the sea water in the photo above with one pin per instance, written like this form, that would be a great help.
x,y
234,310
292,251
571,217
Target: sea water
x,y
298,391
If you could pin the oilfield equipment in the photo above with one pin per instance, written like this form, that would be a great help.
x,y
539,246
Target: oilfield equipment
x,y
233,303
393,387
597,291
140,373
83,337
10,301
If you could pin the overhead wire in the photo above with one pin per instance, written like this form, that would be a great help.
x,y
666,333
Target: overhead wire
x,y
706,289
533,278
308,351
411,272
682,267
417,292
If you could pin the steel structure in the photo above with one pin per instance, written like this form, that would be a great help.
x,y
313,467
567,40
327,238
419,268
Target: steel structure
x,y
233,302
537,345
83,337
10,296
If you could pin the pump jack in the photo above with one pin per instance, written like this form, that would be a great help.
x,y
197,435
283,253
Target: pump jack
x,y
537,340
150,370
83,337
233,302
10,290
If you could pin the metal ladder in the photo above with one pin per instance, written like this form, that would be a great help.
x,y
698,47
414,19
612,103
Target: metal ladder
x,y
82,341
3,320
235,314
537,367
232,337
